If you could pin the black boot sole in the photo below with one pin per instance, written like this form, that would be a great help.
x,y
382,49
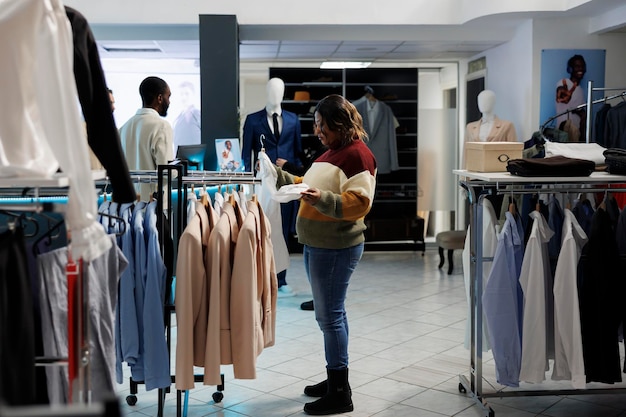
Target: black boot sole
x,y
338,410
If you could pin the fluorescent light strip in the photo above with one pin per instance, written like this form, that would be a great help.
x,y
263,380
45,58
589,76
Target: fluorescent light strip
x,y
342,64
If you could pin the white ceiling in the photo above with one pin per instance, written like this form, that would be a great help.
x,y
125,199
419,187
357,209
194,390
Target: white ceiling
x,y
315,43
304,51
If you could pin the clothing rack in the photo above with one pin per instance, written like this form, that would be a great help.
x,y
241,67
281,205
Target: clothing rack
x,y
174,179
590,102
478,186
78,352
169,178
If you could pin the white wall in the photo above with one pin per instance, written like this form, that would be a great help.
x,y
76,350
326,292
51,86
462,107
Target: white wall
x,y
514,68
252,97
510,76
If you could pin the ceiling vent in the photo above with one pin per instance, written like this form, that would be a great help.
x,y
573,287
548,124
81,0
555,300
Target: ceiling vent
x,y
142,47
138,50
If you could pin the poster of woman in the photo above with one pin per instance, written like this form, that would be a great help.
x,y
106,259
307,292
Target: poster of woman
x,y
228,155
564,77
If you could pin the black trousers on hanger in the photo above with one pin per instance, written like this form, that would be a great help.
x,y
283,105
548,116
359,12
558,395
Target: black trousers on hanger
x,y
17,342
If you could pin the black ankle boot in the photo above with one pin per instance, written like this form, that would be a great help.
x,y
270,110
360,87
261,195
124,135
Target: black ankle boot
x,y
338,398
317,390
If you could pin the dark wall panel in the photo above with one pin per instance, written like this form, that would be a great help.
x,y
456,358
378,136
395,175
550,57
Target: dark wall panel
x,y
219,81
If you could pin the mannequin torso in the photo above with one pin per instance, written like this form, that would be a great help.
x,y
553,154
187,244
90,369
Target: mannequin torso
x,y
489,128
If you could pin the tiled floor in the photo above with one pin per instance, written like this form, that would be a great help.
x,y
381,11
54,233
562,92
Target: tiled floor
x,y
407,326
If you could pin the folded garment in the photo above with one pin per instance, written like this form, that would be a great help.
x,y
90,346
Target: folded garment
x,y
556,166
290,192
589,151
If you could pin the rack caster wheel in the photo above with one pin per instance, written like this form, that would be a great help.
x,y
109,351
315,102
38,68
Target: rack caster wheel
x,y
217,397
462,389
131,400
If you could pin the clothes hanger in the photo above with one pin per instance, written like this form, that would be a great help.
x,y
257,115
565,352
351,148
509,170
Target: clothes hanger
x,y
204,198
21,220
512,206
369,93
602,205
118,219
48,236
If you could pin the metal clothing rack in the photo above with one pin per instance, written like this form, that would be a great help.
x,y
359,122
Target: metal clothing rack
x,y
478,186
589,104
203,178
175,178
34,195
164,176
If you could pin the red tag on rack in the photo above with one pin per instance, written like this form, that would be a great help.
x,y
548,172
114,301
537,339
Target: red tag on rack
x,y
71,271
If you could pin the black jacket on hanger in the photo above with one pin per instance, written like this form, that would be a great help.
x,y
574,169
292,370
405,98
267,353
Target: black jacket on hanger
x,y
102,134
615,128
600,123
600,302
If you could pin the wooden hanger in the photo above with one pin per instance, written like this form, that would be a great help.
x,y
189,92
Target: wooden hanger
x,y
204,199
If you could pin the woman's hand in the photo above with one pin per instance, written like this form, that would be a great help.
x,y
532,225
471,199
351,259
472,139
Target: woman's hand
x,y
311,196
280,162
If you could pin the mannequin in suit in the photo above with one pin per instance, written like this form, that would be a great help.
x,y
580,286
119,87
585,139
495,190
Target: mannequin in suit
x,y
259,132
489,128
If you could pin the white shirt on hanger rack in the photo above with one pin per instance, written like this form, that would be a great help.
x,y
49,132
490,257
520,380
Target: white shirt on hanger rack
x,y
43,121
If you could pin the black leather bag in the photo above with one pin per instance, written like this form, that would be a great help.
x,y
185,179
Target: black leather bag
x,y
555,166
615,159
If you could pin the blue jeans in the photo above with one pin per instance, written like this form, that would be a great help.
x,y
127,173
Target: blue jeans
x,y
329,272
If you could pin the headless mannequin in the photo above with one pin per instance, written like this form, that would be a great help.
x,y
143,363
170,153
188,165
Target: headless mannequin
x,y
259,134
275,91
486,104
489,128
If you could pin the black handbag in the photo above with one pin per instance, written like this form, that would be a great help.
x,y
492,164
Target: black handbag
x,y
555,166
615,159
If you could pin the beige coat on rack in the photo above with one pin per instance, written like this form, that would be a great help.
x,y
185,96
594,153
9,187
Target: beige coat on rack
x,y
192,302
218,349
253,295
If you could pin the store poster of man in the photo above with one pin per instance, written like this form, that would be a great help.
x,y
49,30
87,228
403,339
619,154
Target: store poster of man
x,y
228,155
564,79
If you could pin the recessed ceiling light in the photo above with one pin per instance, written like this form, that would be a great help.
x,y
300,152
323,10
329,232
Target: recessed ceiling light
x,y
344,64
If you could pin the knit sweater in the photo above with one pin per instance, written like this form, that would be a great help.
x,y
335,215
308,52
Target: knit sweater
x,y
346,178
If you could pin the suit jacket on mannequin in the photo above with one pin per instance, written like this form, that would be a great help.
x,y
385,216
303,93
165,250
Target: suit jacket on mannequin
x,y
288,147
502,131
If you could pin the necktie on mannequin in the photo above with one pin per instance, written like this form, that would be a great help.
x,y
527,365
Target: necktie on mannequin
x,y
276,130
